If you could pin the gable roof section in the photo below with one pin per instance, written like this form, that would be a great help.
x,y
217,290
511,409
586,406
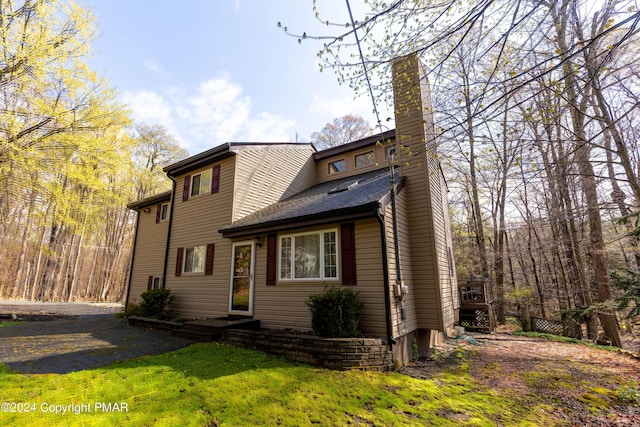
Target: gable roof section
x,y
152,200
350,146
221,152
201,159
352,197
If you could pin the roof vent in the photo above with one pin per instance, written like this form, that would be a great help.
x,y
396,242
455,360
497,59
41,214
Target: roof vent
x,y
343,187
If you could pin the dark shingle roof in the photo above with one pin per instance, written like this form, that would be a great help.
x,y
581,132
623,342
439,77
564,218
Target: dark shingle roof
x,y
151,200
353,195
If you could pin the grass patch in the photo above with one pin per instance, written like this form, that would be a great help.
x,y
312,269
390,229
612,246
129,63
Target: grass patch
x,y
11,323
218,385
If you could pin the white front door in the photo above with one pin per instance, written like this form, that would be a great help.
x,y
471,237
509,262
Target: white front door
x,y
241,292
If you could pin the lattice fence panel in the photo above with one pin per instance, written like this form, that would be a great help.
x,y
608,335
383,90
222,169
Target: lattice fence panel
x,y
567,328
475,320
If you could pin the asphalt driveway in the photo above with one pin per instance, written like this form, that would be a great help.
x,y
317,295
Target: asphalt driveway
x,y
70,337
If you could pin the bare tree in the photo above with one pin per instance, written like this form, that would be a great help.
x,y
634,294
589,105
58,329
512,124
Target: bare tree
x,y
154,148
530,78
340,131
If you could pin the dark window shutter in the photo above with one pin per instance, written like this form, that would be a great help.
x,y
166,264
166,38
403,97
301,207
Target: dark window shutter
x,y
179,261
187,185
272,258
158,210
208,266
348,253
215,179
150,283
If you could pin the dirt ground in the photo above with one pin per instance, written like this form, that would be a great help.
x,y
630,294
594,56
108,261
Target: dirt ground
x,y
585,386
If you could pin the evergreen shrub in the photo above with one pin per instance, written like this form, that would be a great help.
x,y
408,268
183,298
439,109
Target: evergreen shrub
x,y
156,303
335,312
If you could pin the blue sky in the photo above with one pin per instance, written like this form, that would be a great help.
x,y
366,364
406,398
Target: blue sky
x,y
219,71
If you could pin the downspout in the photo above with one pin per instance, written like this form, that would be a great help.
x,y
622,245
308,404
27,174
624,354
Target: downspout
x,y
385,274
133,257
166,251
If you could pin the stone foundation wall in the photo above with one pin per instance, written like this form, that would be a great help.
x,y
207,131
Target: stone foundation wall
x,y
333,353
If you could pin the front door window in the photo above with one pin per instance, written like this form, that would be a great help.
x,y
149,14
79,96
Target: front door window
x,y
241,295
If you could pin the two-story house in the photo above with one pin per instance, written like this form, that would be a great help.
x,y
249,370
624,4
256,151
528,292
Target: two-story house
x,y
251,229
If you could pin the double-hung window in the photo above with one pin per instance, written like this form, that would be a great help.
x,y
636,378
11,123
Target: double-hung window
x,y
157,282
164,212
309,256
201,183
194,259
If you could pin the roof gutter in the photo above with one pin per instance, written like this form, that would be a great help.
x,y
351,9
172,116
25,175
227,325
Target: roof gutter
x,y
349,214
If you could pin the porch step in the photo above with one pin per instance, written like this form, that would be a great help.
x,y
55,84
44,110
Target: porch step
x,y
200,329
203,336
211,329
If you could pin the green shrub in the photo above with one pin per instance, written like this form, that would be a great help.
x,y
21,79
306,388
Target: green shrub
x,y
156,303
335,312
131,309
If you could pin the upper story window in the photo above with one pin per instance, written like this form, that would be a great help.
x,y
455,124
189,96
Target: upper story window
x,y
207,181
201,183
364,159
309,256
164,211
337,166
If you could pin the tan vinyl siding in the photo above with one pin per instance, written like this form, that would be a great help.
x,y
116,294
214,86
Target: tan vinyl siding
x,y
196,222
408,301
379,161
149,252
267,174
448,280
442,241
283,305
414,123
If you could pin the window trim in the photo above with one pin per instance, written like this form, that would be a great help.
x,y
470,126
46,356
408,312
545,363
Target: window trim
x,y
321,267
203,186
164,209
156,282
337,171
204,260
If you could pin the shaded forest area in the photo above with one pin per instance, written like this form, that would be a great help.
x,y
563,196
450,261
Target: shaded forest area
x,y
538,114
70,160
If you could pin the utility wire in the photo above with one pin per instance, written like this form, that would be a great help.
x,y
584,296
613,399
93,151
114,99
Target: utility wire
x,y
364,66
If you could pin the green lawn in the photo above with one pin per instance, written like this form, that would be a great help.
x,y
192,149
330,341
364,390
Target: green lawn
x,y
216,385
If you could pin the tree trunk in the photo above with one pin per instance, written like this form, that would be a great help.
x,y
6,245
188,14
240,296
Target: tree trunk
x,y
587,179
